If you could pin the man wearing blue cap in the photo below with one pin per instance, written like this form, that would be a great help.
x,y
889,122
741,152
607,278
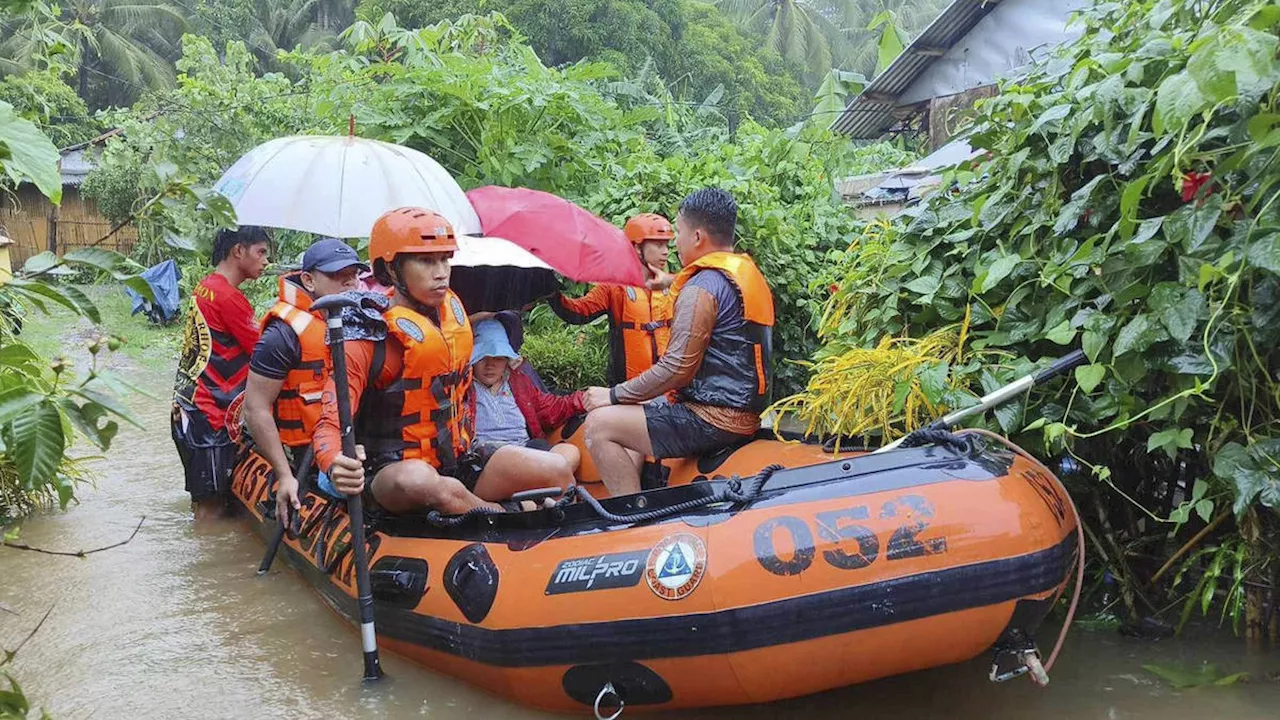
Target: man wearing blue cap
x,y
290,364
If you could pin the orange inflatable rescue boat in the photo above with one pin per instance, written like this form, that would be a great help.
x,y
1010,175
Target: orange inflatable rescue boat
x,y
725,582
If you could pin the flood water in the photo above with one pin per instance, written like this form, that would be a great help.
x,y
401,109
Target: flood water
x,y
177,624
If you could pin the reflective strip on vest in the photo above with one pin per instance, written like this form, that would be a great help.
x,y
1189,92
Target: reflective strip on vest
x,y
300,321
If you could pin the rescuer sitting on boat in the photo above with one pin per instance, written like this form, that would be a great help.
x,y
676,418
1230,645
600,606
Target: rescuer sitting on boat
x,y
639,318
508,408
718,360
289,366
412,417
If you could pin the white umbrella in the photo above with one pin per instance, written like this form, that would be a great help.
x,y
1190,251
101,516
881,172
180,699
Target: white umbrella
x,y
494,252
338,186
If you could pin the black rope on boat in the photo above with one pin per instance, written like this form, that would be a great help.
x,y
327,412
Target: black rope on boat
x,y
931,435
439,519
735,491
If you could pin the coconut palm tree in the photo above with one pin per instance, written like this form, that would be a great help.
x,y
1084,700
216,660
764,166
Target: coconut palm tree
x,y
289,24
799,30
821,34
131,43
865,25
335,15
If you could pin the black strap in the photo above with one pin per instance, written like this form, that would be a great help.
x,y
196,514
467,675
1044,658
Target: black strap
x,y
376,363
646,327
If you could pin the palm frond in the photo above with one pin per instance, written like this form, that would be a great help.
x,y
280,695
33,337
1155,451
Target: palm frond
x,y
141,14
120,55
739,9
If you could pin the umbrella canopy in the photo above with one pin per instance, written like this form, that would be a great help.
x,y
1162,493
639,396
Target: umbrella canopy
x,y
571,240
337,186
482,251
495,274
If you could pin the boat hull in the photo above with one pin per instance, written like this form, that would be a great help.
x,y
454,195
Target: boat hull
x,y
839,572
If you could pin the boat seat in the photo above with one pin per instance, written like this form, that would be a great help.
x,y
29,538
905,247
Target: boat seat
x,y
710,462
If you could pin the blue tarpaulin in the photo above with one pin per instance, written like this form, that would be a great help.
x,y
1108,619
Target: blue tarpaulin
x,y
163,279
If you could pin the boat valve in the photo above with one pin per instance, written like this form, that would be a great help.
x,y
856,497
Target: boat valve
x,y
608,692
1010,663
1031,661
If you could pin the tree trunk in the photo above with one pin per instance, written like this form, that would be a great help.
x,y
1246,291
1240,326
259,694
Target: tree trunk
x,y
1256,595
84,71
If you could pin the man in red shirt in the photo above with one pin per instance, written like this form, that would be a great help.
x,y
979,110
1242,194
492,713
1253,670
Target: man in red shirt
x,y
219,339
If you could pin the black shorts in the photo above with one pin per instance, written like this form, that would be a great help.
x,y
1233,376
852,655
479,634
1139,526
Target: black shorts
x,y
208,455
675,431
466,470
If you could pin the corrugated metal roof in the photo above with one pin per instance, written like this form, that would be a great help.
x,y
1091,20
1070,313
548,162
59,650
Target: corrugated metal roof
x,y
871,112
76,165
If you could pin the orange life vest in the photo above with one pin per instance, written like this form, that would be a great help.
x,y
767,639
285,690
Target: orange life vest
x,y
639,324
422,414
736,369
297,408
643,318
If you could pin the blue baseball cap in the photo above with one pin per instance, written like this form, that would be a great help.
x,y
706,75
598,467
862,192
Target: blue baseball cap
x,y
331,255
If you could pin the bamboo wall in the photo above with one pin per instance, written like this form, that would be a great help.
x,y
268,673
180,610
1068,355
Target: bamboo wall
x,y
26,219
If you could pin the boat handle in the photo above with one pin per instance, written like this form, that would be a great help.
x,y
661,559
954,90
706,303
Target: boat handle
x,y
606,691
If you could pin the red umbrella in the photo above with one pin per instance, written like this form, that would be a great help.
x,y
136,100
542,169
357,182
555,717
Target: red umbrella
x,y
576,243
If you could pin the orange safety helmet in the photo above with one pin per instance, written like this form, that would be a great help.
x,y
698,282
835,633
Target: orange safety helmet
x,y
410,230
649,226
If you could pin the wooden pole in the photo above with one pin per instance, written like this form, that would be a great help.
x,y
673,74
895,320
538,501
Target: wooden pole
x,y
54,209
53,229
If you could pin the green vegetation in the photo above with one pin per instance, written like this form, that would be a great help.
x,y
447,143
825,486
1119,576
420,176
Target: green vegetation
x,y
1127,206
43,98
695,49
566,357
472,95
45,404
138,339
115,48
268,27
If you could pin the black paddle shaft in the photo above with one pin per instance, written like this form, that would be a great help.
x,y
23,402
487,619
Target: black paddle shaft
x,y
333,305
301,471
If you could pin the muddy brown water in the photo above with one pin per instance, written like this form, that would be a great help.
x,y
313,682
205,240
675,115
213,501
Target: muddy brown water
x,y
177,624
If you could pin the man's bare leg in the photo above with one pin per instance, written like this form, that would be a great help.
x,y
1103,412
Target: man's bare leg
x,y
214,508
513,469
413,486
638,460
613,433
570,453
